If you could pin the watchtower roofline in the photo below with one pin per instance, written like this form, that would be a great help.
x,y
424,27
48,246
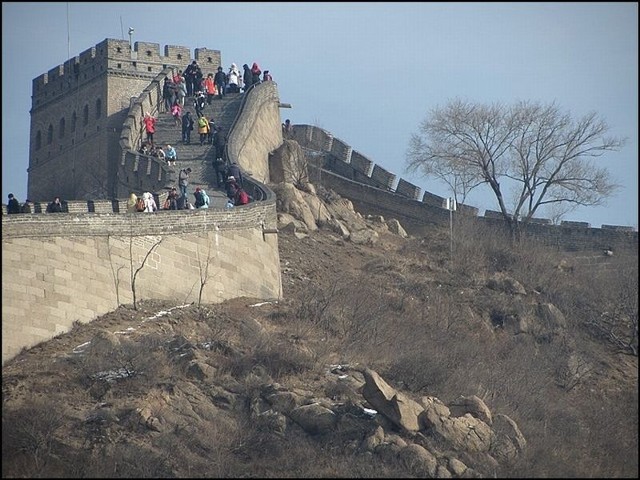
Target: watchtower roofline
x,y
113,56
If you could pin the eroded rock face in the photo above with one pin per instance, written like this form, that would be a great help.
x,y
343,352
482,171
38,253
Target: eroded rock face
x,y
472,405
314,418
397,407
300,200
291,201
508,440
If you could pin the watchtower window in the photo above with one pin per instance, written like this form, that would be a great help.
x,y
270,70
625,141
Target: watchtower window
x,y
149,53
74,121
119,50
86,115
38,140
134,64
62,127
209,60
119,65
98,108
149,69
179,56
50,135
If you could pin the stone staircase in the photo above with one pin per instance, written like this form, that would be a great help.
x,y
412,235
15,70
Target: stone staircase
x,y
195,156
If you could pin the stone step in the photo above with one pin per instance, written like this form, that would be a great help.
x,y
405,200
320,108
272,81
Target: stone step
x,y
195,156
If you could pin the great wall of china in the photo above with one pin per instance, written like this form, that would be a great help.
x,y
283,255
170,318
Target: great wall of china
x,y
59,269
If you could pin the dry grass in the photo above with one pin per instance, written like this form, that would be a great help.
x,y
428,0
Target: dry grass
x,y
426,322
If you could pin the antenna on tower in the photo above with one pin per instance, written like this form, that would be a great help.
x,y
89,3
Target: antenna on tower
x,y
131,30
68,34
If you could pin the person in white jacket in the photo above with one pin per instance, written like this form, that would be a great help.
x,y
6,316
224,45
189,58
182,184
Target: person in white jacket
x,y
149,202
233,79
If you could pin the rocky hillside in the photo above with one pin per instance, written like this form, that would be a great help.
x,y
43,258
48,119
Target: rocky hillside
x,y
386,357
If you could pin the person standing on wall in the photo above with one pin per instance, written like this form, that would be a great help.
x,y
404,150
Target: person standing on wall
x,y
234,171
287,129
220,168
220,141
150,126
199,103
221,82
13,206
187,127
234,79
247,77
203,128
181,89
210,88
183,183
190,77
255,73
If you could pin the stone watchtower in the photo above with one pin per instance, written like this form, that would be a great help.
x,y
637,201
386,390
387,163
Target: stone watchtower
x,y
78,110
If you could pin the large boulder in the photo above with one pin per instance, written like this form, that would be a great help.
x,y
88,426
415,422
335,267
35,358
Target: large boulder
x,y
465,433
396,406
472,405
288,164
508,441
314,418
291,201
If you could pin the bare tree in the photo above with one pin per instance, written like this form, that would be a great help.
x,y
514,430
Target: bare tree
x,y
544,154
115,271
134,272
204,271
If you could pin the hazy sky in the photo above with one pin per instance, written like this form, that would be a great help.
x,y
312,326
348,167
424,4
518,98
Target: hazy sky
x,y
369,73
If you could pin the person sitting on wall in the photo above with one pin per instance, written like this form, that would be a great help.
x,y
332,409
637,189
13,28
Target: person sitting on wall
x,y
55,206
132,202
26,206
171,155
241,197
172,198
13,206
231,188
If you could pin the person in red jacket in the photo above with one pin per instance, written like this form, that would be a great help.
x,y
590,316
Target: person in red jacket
x,y
210,87
241,197
150,126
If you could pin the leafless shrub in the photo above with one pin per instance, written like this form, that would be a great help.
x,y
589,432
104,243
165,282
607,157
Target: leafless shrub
x,y
29,433
278,357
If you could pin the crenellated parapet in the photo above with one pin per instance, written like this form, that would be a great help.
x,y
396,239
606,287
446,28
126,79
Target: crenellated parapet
x,y
67,268
372,187
116,57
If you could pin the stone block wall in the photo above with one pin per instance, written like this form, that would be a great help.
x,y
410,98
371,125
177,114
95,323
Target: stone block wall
x,y
78,111
374,192
257,131
61,268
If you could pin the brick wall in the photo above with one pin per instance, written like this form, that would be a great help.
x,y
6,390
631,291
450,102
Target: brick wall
x,y
67,267
372,192
257,131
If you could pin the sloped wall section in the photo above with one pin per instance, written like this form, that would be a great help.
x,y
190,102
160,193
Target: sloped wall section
x,y
62,268
371,189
